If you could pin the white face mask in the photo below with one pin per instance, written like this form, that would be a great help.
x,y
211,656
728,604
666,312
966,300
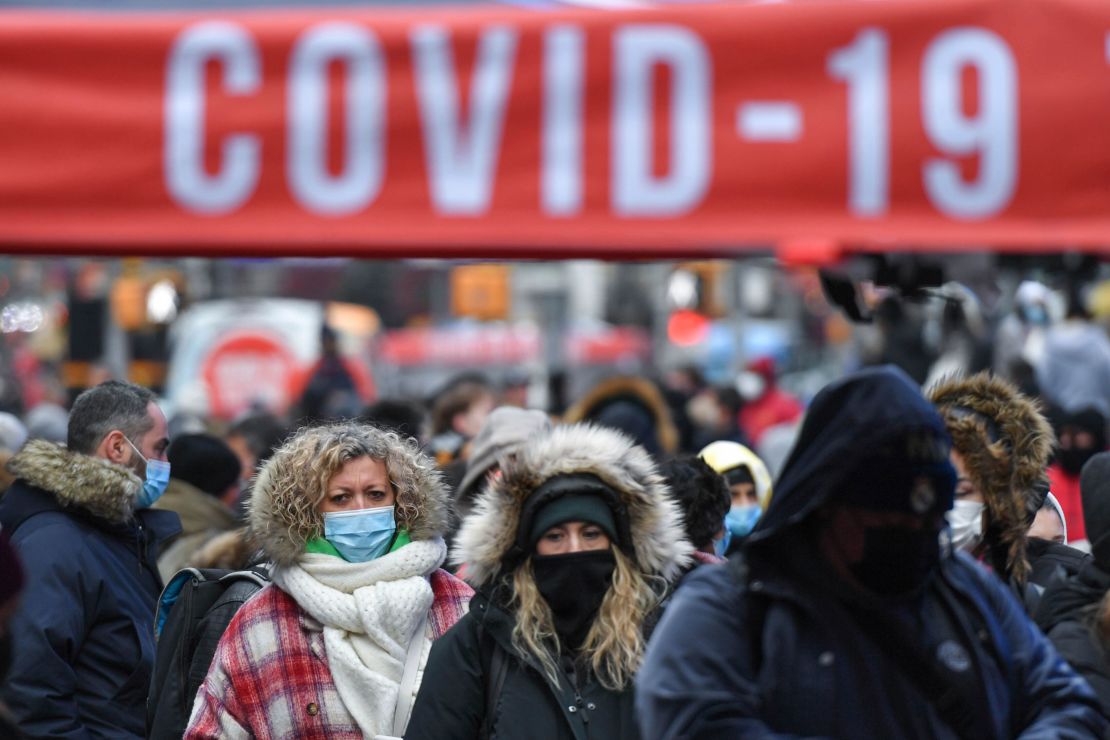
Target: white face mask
x,y
966,520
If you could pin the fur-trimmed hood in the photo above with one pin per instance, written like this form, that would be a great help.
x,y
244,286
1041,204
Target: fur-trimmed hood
x,y
1006,443
486,542
94,485
283,514
638,391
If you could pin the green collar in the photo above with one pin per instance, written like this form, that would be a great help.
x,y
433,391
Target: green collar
x,y
323,547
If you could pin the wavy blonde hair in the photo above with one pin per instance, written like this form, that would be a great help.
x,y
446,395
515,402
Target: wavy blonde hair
x,y
285,504
614,646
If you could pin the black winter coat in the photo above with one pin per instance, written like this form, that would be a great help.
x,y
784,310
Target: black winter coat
x,y
452,701
83,634
1066,614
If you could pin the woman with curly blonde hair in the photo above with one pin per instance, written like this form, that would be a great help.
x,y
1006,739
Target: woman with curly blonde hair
x,y
571,549
352,519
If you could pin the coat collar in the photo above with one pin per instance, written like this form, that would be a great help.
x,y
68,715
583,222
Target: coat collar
x,y
89,484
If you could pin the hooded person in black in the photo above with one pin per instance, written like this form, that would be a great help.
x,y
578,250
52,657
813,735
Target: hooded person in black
x,y
846,616
1068,610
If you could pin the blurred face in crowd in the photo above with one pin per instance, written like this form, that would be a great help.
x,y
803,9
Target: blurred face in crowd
x,y
1047,525
469,422
568,537
247,461
965,488
743,494
362,483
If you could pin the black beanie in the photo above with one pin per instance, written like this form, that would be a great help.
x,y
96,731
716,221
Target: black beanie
x,y
203,461
1094,488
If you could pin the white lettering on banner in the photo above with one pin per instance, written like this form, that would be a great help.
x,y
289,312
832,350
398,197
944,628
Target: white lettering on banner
x,y
561,169
992,133
462,159
360,179
184,109
635,190
865,67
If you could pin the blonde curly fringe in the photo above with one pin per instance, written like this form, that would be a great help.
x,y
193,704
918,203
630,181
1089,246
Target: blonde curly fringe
x,y
614,646
297,475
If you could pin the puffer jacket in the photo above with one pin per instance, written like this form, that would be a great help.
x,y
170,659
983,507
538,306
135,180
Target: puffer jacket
x,y
83,634
451,704
770,646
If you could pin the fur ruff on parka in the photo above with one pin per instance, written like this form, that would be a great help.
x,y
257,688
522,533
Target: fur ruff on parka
x,y
281,521
489,534
92,484
1006,471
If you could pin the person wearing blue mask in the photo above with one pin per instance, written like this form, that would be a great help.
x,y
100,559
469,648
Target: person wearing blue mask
x,y
749,484
79,517
703,495
352,518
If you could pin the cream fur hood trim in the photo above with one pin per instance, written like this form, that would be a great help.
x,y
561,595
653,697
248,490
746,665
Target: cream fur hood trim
x,y
655,522
78,481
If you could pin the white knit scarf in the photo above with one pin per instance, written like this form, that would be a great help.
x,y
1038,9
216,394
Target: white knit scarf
x,y
369,612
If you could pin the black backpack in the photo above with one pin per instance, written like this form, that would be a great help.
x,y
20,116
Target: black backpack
x,y
193,612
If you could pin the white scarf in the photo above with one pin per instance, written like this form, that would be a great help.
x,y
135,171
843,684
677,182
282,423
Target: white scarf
x,y
369,612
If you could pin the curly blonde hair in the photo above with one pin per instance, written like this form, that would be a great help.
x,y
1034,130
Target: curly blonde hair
x,y
614,646
284,510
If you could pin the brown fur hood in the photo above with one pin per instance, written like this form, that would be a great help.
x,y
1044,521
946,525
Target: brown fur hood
x,y
283,515
638,390
1006,470
78,481
489,533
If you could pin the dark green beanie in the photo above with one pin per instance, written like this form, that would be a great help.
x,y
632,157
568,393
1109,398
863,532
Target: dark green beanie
x,y
573,507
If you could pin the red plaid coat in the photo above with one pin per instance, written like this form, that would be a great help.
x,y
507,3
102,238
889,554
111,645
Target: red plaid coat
x,y
270,676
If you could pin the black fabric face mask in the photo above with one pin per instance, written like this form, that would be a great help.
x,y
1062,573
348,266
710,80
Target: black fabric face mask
x,y
896,561
574,586
1073,459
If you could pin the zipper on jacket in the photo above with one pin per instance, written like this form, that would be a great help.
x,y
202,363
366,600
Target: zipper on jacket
x,y
140,542
578,702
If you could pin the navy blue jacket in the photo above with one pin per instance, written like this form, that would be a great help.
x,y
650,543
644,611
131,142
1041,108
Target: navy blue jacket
x,y
761,649
83,634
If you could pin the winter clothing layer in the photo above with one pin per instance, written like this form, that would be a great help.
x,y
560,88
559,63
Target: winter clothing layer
x,y
812,671
370,614
1066,614
631,405
488,539
1006,443
504,430
365,613
452,703
1074,371
774,643
203,516
84,631
726,456
271,676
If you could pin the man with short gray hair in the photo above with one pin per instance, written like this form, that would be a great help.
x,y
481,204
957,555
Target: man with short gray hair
x,y
79,517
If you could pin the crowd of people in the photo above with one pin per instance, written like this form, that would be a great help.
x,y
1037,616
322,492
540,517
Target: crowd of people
x,y
658,560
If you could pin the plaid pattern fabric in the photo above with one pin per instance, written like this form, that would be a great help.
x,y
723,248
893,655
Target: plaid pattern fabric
x,y
270,676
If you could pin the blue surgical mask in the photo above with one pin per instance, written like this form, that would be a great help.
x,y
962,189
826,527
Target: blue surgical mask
x,y
361,535
155,482
740,520
721,546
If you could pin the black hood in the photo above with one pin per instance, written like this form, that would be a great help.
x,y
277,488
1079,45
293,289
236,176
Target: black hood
x,y
847,421
1064,598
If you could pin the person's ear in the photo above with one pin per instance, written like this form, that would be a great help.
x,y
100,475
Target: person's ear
x,y
114,448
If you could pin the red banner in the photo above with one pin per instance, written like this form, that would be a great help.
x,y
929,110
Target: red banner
x,y
504,132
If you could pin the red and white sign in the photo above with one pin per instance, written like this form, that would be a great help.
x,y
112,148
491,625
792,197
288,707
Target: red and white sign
x,y
507,132
246,368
